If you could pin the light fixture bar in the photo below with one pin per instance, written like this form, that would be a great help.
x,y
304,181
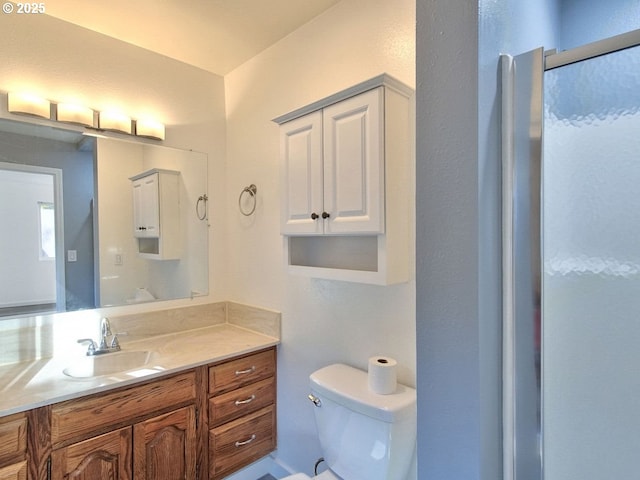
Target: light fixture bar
x,y
116,121
66,112
73,113
150,129
26,103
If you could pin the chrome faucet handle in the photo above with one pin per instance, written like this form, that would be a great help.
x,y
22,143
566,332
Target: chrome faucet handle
x,y
115,345
92,345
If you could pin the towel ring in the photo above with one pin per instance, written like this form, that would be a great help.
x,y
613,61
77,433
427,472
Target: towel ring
x,y
202,199
251,190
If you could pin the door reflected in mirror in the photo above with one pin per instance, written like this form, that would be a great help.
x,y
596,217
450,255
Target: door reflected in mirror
x,y
66,210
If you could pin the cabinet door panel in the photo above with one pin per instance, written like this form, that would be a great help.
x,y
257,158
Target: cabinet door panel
x,y
146,211
301,147
106,457
354,164
16,471
165,446
13,437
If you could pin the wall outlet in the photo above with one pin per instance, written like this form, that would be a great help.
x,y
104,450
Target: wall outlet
x,y
72,255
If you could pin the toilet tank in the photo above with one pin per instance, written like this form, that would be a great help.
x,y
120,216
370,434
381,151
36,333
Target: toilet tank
x,y
363,435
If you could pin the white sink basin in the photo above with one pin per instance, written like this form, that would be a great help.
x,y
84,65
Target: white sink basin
x,y
108,363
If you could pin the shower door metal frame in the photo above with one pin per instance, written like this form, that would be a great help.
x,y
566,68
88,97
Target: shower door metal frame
x,y
521,173
591,50
522,140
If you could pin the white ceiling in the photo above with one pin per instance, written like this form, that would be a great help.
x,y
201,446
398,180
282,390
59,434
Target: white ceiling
x,y
215,35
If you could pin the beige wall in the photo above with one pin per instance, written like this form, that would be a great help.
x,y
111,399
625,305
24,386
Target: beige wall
x,y
323,321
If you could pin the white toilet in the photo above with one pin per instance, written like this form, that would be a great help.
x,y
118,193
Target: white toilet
x,y
363,435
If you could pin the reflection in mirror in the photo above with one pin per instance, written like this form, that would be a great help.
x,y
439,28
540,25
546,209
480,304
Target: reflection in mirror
x,y
67,216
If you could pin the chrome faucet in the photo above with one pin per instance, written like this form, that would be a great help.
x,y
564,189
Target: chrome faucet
x,y
105,331
105,346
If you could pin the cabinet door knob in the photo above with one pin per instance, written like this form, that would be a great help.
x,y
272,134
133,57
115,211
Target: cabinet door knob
x,y
325,215
314,216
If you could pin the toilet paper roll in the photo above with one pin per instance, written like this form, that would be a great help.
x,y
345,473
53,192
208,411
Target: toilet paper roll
x,y
382,375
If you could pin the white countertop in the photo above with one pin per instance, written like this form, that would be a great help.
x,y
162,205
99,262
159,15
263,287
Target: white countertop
x,y
31,384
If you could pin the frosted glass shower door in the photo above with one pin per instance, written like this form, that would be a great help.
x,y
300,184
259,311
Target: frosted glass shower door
x,y
591,265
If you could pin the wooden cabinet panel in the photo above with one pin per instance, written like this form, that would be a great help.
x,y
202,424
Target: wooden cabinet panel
x,y
234,404
17,471
106,457
237,373
39,443
238,443
242,414
165,446
13,437
81,417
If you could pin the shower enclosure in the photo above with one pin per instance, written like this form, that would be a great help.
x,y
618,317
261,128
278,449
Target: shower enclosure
x,y
571,223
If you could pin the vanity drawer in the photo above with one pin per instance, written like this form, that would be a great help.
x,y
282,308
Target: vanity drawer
x,y
237,373
13,437
238,443
75,419
241,401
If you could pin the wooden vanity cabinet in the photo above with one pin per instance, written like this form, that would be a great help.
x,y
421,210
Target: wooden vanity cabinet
x,y
13,447
160,447
242,412
204,423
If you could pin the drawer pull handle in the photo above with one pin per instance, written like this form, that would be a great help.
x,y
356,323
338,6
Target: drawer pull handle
x,y
244,402
244,372
239,444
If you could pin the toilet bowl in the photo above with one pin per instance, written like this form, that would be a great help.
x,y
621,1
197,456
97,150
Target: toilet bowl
x,y
363,435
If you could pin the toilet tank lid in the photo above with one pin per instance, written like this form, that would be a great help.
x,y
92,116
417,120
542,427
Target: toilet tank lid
x,y
349,386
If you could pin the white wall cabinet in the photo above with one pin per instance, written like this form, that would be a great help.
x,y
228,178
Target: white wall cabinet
x,y
334,168
156,213
301,151
146,206
346,210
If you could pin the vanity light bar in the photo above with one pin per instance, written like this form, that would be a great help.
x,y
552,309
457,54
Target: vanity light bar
x,y
73,113
25,103
149,128
115,121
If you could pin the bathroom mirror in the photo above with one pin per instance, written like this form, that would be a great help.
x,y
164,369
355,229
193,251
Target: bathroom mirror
x,y
66,210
